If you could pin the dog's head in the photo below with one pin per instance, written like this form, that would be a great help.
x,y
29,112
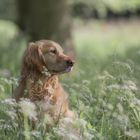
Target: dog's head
x,y
48,54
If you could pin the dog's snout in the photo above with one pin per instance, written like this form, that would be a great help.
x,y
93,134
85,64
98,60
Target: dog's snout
x,y
70,62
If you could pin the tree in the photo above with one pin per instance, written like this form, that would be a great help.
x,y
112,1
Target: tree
x,y
46,19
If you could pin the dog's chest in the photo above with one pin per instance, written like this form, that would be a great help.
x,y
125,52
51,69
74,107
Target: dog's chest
x,y
42,89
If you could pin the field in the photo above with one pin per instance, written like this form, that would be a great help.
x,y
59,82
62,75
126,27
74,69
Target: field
x,y
104,87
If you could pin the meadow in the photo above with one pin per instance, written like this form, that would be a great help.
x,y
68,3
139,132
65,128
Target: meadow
x,y
104,87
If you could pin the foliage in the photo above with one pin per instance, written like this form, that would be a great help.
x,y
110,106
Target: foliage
x,y
117,6
101,7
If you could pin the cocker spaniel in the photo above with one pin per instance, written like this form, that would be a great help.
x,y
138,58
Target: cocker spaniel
x,y
43,61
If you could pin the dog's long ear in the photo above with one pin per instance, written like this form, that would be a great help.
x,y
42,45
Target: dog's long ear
x,y
32,57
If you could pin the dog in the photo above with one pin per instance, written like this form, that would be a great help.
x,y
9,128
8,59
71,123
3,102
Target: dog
x,y
43,61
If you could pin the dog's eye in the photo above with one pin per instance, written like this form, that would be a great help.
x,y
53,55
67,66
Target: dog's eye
x,y
53,51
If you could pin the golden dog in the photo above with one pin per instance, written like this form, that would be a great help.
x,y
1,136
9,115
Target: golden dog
x,y
43,61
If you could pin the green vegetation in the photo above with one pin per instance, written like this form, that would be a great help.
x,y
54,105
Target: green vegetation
x,y
102,7
114,5
8,8
104,86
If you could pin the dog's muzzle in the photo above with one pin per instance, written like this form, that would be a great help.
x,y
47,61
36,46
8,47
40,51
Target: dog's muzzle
x,y
69,64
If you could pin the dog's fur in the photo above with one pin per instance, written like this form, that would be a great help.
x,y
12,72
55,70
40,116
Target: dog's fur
x,y
43,61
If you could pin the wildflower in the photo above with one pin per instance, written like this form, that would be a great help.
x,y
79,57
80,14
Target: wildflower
x,y
28,108
130,85
105,76
5,80
14,81
67,133
74,85
12,114
48,119
66,121
136,101
124,65
35,133
10,101
133,134
88,136
110,106
69,129
114,86
126,85
122,120
86,82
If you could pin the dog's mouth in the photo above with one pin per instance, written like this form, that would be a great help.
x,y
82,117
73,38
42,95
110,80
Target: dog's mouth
x,y
66,70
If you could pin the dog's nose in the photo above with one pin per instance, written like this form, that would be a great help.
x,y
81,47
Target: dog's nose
x,y
70,62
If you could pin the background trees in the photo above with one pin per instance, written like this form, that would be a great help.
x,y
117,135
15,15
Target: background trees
x,y
46,19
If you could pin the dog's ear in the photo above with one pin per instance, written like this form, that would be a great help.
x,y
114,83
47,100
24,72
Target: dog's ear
x,y
32,57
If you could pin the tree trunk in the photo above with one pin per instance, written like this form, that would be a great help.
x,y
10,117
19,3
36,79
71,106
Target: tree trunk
x,y
46,19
